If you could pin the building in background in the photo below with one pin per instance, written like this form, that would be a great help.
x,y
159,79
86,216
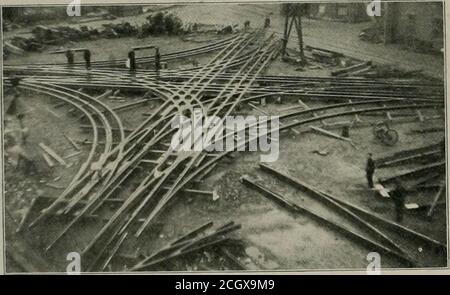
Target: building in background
x,y
418,25
347,12
125,10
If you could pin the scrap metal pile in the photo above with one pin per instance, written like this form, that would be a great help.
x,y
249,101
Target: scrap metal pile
x,y
234,78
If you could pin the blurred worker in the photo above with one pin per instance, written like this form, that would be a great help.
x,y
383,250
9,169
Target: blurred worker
x,y
70,57
157,60
87,58
398,196
17,153
132,61
370,170
15,81
267,22
247,24
17,109
346,131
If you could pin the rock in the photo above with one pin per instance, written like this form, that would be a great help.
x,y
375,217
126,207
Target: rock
x,y
215,196
271,265
254,253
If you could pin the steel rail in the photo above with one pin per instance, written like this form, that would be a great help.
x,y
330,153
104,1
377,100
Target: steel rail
x,y
170,193
150,180
143,182
284,89
323,196
207,76
290,85
168,56
274,91
323,220
213,159
164,57
415,83
112,166
91,186
139,155
172,77
81,69
92,122
367,83
322,108
98,113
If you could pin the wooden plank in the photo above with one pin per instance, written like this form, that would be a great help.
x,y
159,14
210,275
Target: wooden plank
x,y
26,215
114,250
72,142
303,104
435,201
47,159
52,154
351,69
331,134
267,114
14,49
421,170
73,155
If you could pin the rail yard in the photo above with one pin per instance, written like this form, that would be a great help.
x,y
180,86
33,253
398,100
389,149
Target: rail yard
x,y
90,169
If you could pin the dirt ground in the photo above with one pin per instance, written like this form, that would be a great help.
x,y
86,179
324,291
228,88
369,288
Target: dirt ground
x,y
271,238
339,36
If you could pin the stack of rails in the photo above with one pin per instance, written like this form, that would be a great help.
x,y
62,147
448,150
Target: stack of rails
x,y
143,135
322,89
97,113
368,229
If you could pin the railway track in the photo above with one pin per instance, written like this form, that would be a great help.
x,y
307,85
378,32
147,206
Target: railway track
x,y
120,63
232,77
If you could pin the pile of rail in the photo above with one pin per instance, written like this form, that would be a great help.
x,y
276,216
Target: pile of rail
x,y
372,231
218,88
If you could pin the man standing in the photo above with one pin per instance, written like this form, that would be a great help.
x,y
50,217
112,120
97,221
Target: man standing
x,y
87,58
267,22
157,60
370,170
16,106
132,61
70,57
398,196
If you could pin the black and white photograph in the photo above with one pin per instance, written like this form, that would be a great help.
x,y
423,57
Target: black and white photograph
x,y
262,137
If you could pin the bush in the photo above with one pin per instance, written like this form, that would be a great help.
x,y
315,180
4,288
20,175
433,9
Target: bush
x,y
161,23
173,24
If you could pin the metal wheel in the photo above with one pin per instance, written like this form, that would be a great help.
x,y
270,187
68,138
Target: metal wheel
x,y
379,129
390,137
